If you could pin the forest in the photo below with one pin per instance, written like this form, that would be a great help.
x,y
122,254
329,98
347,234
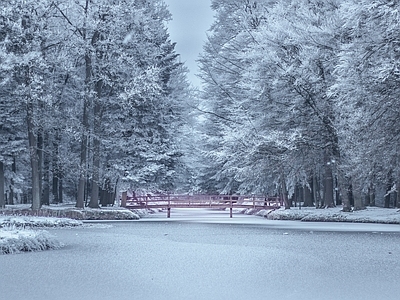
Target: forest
x,y
298,99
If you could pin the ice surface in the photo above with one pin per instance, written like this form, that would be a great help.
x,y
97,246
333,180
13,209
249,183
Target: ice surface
x,y
178,258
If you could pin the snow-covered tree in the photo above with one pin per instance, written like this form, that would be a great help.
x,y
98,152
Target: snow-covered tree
x,y
129,63
24,43
101,87
267,74
368,87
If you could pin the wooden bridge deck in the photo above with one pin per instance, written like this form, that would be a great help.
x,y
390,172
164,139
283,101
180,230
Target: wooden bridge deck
x,y
200,201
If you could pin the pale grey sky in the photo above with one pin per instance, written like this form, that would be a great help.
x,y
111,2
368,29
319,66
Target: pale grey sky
x,y
190,21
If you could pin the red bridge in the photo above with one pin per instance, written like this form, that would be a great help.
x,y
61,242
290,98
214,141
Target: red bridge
x,y
199,201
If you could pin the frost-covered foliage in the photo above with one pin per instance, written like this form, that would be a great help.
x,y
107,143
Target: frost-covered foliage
x,y
14,240
369,215
29,222
301,94
367,85
102,89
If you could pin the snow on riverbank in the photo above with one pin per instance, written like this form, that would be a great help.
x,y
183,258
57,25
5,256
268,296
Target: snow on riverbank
x,y
69,211
16,219
22,222
15,241
308,214
16,234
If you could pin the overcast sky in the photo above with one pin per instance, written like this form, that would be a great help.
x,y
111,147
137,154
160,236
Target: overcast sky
x,y
191,20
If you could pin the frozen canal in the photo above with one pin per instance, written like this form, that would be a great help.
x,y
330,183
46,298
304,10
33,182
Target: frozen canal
x,y
242,258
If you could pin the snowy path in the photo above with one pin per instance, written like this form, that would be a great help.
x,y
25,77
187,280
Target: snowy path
x,y
164,259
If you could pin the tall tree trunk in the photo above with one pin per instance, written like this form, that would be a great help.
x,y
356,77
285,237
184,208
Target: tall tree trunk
x,y
389,185
337,192
14,172
103,197
328,181
60,186
115,195
85,124
55,166
80,201
36,203
398,200
308,196
367,197
372,195
40,160
82,177
397,192
2,182
308,199
94,199
346,204
316,192
11,197
46,171
284,192
350,195
358,203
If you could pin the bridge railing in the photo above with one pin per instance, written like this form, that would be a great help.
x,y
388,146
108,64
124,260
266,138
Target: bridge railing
x,y
168,201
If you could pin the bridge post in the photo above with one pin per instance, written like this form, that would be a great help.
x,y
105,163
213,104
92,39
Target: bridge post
x,y
169,212
230,212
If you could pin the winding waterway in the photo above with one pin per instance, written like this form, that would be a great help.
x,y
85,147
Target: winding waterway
x,y
236,259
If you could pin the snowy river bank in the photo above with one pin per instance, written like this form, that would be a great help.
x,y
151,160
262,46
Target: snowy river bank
x,y
209,256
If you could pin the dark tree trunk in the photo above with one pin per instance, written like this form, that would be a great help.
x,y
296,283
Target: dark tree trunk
x,y
372,195
285,198
328,182
350,195
46,172
367,198
80,201
60,187
358,203
14,172
397,204
2,182
32,138
346,204
298,195
389,185
106,193
115,192
308,196
123,199
11,197
103,197
55,167
316,189
337,192
40,161
94,199
84,142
